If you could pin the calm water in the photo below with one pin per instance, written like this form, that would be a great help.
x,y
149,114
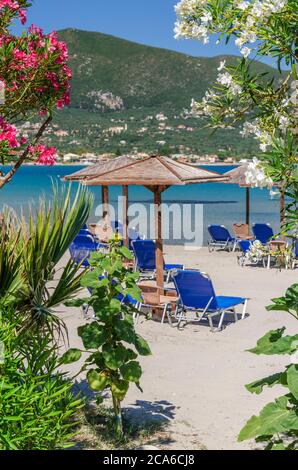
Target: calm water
x,y
223,204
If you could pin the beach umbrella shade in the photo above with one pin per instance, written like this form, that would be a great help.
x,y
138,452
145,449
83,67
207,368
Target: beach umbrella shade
x,y
156,173
238,176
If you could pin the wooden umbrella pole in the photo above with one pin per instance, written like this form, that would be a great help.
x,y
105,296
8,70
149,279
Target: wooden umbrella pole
x,y
125,215
105,203
248,205
159,241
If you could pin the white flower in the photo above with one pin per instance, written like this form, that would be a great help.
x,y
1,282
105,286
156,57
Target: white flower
x,y
255,175
206,18
263,147
225,79
243,5
235,89
294,357
239,42
222,65
245,51
283,122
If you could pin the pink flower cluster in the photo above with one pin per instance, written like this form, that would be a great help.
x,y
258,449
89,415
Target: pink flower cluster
x,y
8,135
43,155
41,58
14,6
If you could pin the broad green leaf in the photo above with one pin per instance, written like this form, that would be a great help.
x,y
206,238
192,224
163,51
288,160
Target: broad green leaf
x,y
91,279
292,377
258,385
72,355
114,357
292,297
114,306
135,293
97,381
274,418
126,253
124,330
119,388
287,303
142,346
274,343
131,371
93,335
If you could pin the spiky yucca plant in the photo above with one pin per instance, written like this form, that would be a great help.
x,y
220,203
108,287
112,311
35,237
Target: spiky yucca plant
x,y
35,253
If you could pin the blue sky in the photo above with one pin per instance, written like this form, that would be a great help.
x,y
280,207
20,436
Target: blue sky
x,y
148,22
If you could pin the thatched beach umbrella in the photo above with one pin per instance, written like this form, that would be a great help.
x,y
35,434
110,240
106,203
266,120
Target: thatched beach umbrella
x,y
156,173
238,176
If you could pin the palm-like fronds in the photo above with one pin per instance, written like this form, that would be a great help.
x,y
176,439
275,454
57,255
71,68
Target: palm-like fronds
x,y
41,246
10,259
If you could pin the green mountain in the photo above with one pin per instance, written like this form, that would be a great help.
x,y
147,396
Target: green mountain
x,y
118,83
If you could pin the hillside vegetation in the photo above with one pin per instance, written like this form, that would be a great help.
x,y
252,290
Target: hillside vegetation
x,y
118,89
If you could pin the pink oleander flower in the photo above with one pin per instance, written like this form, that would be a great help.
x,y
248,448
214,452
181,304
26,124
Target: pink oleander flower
x,y
23,16
9,4
8,134
43,155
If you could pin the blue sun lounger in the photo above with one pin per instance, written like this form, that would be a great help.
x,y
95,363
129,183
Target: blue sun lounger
x,y
221,238
263,232
82,247
196,295
144,251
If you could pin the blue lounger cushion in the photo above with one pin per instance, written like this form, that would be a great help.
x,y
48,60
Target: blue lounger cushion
x,y
224,302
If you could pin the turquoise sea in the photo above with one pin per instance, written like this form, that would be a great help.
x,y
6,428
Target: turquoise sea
x,y
222,203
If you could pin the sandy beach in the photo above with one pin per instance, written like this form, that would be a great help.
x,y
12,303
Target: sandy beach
x,y
195,379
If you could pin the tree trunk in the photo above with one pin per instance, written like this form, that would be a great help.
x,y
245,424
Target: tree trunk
x,y
7,178
118,416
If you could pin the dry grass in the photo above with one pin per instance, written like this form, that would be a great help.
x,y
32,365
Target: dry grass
x,y
96,431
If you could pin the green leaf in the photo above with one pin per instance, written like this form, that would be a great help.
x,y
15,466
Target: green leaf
x,y
135,293
126,253
72,355
258,385
292,377
142,346
119,388
93,335
114,357
131,371
287,303
275,343
124,330
105,308
274,418
91,280
97,381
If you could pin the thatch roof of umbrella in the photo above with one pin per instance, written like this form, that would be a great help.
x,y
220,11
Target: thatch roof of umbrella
x,y
149,171
238,176
156,173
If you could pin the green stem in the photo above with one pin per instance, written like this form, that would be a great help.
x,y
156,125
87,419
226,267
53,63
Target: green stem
x,y
118,416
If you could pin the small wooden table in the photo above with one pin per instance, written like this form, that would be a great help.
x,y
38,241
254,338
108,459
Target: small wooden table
x,y
160,300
